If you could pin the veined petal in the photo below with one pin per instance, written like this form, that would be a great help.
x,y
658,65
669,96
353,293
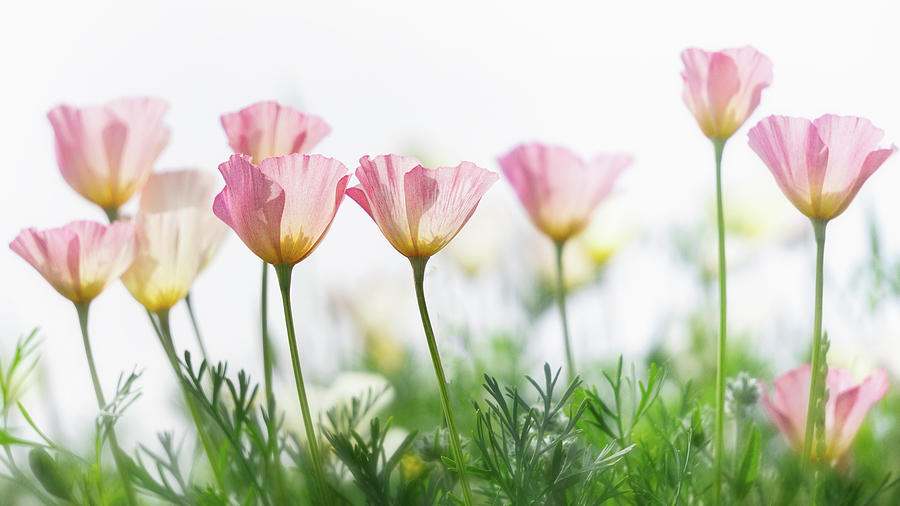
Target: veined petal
x,y
850,408
418,210
267,129
282,208
440,201
181,189
80,259
723,88
169,256
106,152
796,156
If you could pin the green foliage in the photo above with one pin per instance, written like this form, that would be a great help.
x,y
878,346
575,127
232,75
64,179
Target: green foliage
x,y
635,439
533,453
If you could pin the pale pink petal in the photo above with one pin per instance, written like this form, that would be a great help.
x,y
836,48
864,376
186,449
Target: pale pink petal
x,y
79,259
267,129
106,152
723,84
755,71
283,208
359,196
418,210
440,201
314,187
791,399
166,191
182,189
850,408
851,141
170,253
381,178
781,420
695,76
252,205
820,165
558,189
796,156
845,409
722,88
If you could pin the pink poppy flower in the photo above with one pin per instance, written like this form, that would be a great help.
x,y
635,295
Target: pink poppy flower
x,y
266,129
723,88
848,403
78,259
283,207
819,165
559,190
418,210
106,152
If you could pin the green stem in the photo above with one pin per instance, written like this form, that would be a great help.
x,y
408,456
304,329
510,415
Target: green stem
x,y
112,214
168,344
273,463
719,145
266,342
190,308
82,309
418,266
815,377
283,271
561,303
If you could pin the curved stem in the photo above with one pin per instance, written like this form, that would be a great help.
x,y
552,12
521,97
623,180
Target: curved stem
x,y
816,377
165,338
719,145
82,309
418,266
284,282
561,303
190,308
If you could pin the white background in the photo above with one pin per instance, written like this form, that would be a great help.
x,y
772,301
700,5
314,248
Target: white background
x,y
462,80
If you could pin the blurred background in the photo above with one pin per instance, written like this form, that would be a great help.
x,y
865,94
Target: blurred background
x,y
446,82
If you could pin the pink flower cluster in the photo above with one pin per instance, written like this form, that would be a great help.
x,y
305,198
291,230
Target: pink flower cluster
x,y
280,200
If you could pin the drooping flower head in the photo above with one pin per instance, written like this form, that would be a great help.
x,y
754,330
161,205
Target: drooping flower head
x,y
266,129
559,190
723,88
820,165
282,207
106,152
181,189
848,403
418,210
78,259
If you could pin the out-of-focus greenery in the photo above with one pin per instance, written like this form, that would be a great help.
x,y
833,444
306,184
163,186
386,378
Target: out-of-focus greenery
x,y
634,438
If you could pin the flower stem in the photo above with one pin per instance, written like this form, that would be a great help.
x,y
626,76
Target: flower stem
x,y
266,343
165,338
418,266
273,463
190,308
283,271
561,303
719,145
816,378
82,309
112,213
